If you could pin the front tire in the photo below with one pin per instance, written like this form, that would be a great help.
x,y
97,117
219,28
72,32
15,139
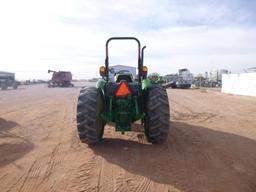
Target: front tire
x,y
157,120
90,125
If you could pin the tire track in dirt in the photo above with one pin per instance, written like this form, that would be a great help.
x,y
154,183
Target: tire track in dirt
x,y
190,161
20,108
45,163
143,185
178,112
87,176
39,171
106,180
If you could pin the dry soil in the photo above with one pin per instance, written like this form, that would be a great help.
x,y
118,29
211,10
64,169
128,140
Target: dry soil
x,y
211,146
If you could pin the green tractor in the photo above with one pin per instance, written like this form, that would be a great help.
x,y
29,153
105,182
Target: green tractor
x,y
156,78
123,101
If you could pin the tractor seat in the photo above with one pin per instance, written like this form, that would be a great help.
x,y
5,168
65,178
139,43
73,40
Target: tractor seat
x,y
124,77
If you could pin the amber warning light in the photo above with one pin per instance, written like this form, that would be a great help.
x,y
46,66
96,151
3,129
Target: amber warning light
x,y
102,71
123,90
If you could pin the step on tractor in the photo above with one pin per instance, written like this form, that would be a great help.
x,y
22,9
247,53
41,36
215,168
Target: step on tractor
x,y
122,102
60,79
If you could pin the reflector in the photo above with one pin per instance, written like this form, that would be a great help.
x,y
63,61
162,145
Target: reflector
x,y
123,90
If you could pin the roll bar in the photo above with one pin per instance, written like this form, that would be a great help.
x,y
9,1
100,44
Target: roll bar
x,y
140,54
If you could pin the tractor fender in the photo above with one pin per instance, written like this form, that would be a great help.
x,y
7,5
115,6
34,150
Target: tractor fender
x,y
146,84
101,84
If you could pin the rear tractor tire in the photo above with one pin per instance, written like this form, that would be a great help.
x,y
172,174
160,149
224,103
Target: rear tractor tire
x,y
90,125
157,120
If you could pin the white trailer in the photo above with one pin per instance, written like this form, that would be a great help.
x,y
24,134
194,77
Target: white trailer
x,y
239,84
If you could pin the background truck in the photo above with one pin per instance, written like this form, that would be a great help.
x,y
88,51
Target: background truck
x,y
60,79
183,79
7,80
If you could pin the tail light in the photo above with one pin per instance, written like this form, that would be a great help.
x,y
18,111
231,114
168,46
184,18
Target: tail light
x,y
123,90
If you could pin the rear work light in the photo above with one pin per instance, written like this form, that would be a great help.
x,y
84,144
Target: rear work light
x,y
123,90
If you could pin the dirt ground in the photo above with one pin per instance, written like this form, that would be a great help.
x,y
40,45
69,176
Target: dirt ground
x,y
211,146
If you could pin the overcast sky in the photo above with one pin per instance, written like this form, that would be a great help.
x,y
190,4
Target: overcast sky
x,y
70,35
